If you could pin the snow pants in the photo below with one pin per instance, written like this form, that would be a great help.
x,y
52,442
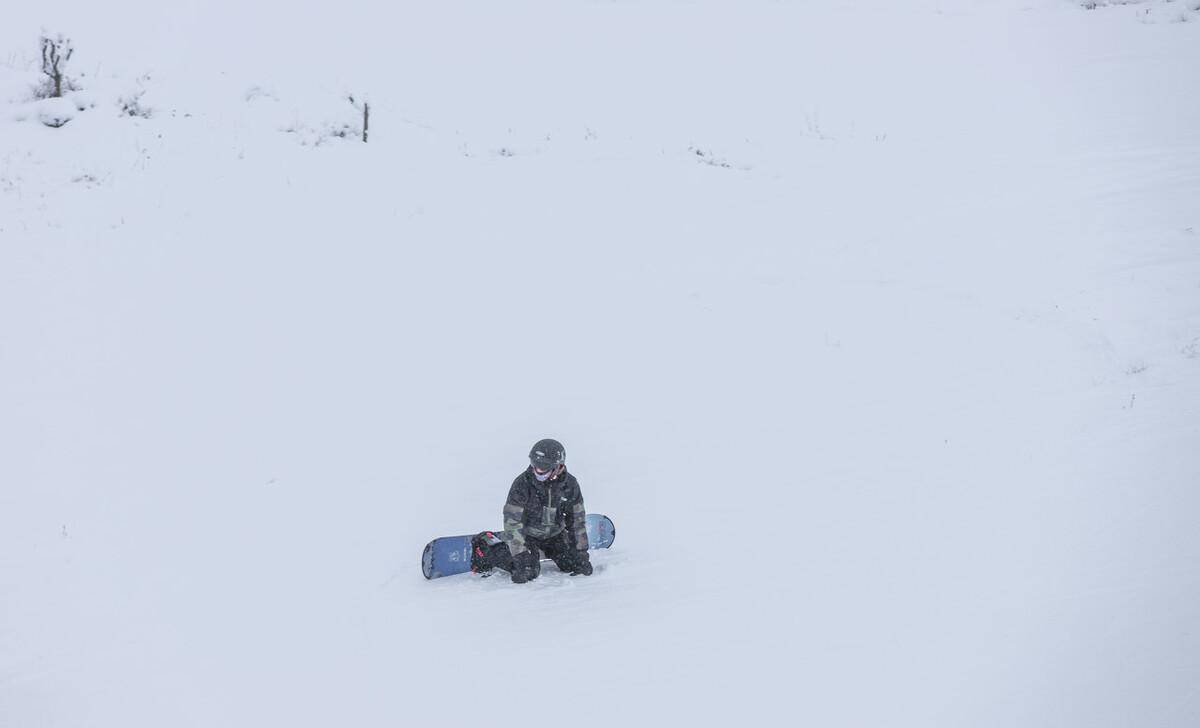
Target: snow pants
x,y
489,553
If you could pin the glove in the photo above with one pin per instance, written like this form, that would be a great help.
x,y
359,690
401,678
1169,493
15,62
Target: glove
x,y
526,567
582,565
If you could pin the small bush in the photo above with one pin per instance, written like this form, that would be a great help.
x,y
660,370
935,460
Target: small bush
x,y
56,113
56,52
131,105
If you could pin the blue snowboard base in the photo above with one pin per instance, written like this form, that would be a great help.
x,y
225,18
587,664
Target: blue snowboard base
x,y
451,555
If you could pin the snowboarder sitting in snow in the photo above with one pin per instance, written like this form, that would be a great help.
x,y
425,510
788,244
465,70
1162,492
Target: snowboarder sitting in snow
x,y
543,516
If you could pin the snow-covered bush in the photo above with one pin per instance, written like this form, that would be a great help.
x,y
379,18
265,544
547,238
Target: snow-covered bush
x,y
56,112
1153,11
56,52
343,126
706,156
318,135
131,105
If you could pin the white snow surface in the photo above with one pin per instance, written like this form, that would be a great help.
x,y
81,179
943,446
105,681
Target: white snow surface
x,y
874,326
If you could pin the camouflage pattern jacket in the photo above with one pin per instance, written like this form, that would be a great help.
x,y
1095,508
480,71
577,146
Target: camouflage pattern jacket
x,y
544,510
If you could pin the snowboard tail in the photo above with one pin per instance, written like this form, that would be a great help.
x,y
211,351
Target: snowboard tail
x,y
451,555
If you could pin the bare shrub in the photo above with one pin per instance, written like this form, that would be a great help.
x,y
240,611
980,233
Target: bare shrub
x,y
131,105
56,52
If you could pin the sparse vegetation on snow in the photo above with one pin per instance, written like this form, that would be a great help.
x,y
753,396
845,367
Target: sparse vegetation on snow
x,y
872,325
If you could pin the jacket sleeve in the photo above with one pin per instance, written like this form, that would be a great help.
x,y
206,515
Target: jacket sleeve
x,y
514,519
576,521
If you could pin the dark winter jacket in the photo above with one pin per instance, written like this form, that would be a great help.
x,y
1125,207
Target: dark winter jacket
x,y
543,511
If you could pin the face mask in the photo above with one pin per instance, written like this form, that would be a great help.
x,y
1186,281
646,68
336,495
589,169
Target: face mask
x,y
544,475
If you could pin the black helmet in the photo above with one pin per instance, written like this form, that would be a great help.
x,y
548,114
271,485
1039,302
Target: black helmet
x,y
547,454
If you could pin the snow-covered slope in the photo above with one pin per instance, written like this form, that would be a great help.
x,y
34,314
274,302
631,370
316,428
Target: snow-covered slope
x,y
874,326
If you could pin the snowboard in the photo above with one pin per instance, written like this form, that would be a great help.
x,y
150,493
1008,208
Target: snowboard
x,y
451,555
